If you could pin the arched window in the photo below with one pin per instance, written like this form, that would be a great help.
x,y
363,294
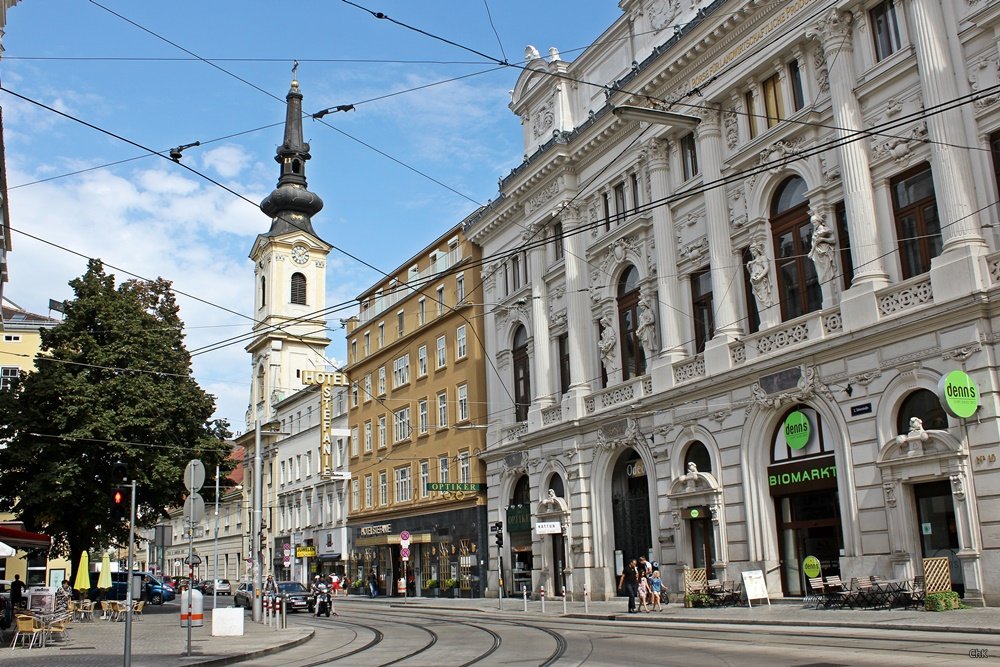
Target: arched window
x,y
556,486
522,492
260,384
697,453
924,404
298,289
263,291
798,284
633,356
522,375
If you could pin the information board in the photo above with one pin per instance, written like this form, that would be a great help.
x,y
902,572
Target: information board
x,y
755,587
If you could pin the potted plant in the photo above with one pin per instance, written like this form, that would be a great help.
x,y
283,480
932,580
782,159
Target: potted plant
x,y
697,600
431,585
942,601
452,586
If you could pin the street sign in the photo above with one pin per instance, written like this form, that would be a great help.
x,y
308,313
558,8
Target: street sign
x,y
194,475
194,506
286,548
404,553
404,536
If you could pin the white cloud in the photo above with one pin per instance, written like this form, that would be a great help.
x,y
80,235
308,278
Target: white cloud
x,y
227,161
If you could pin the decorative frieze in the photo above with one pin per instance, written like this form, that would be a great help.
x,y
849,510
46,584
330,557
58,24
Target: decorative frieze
x,y
903,298
689,370
777,340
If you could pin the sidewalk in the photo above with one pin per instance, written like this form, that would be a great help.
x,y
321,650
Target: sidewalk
x,y
157,641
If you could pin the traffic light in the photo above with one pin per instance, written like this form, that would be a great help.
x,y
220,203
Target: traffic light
x,y
498,530
119,502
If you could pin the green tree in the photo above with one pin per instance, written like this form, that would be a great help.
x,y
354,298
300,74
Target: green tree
x,y
112,383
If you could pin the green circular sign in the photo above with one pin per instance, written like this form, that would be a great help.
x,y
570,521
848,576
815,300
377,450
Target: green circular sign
x,y
797,429
958,394
695,514
811,567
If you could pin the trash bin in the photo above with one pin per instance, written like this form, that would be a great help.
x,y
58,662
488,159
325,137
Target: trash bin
x,y
192,609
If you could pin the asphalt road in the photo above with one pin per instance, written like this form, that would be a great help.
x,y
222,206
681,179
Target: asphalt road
x,y
368,634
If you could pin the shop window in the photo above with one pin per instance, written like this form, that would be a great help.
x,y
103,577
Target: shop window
x,y
923,404
697,453
633,356
798,285
885,29
701,306
522,375
918,229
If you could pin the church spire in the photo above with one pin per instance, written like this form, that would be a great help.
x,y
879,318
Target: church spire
x,y
291,205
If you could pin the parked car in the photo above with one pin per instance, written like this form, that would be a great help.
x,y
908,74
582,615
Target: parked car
x,y
219,587
154,590
243,597
297,596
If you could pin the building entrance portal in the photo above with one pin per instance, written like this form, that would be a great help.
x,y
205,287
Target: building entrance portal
x,y
937,528
630,506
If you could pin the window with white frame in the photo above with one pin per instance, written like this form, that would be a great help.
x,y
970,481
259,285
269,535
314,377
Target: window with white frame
x,y
382,438
368,490
885,29
354,350
381,381
443,410
400,324
461,345
383,488
460,287
401,371
425,478
401,424
422,417
464,468
689,156
368,437
281,476
7,376
309,464
404,484
381,334
298,467
354,441
368,387
439,295
368,342
443,469
422,311
355,494
463,403
442,352
421,361
354,394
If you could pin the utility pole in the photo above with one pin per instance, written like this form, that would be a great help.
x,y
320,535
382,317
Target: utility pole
x,y
127,662
215,570
258,509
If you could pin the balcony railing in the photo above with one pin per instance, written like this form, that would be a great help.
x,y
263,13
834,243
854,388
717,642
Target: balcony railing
x,y
377,305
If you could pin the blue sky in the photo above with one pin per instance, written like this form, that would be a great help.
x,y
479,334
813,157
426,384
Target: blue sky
x,y
153,218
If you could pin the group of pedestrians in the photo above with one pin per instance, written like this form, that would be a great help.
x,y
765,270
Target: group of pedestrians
x,y
640,581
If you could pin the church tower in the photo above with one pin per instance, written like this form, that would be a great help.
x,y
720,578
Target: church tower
x,y
289,278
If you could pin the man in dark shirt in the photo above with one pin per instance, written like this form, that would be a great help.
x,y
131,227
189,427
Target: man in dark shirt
x,y
16,591
628,582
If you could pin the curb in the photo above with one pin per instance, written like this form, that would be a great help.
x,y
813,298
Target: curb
x,y
240,657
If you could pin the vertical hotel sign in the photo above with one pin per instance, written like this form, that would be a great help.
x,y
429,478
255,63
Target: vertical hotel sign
x,y
327,381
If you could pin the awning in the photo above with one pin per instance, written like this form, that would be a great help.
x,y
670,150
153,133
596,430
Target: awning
x,y
328,557
22,539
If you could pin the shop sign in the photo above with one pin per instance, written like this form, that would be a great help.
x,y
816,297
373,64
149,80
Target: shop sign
x,y
327,380
806,475
797,429
519,518
305,552
811,567
548,528
635,469
959,394
378,529
455,486
696,513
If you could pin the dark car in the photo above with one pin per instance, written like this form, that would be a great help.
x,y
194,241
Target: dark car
x,y
243,597
297,597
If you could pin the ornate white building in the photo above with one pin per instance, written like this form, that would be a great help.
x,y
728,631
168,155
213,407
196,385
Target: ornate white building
x,y
800,240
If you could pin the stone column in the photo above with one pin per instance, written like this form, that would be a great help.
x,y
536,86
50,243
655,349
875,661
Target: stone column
x,y
580,330
541,366
960,267
834,34
724,270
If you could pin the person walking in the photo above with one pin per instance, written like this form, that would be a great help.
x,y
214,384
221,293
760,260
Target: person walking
x,y
627,582
335,584
643,593
656,589
373,583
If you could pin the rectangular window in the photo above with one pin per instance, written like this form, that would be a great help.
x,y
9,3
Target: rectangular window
x,y
381,381
401,424
701,302
460,343
515,271
557,241
464,468
773,102
309,465
885,29
918,229
298,467
404,485
844,245
422,311
382,439
425,478
636,200
620,209
563,345
795,77
439,295
368,388
463,402
368,437
422,416
606,200
383,488
7,376
11,338
443,469
354,441
381,334
400,324
368,490
281,475
422,361
354,350
354,394
368,342
401,371
460,288
442,352
751,107
355,494
442,410
689,156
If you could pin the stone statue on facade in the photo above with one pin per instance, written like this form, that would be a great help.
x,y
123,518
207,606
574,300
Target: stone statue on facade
x,y
913,442
758,268
607,343
691,478
646,329
823,247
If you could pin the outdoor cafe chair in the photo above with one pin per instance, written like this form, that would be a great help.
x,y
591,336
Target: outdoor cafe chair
x,y
85,610
26,627
817,591
137,608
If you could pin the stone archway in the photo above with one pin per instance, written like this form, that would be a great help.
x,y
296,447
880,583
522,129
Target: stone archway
x,y
699,521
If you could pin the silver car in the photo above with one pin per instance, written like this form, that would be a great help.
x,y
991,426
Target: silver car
x,y
220,587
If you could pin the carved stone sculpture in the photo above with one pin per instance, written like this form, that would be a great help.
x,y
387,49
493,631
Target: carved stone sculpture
x,y
646,329
823,247
607,343
759,269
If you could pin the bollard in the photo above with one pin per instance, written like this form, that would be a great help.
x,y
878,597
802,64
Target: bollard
x,y
564,599
284,614
524,592
543,598
586,600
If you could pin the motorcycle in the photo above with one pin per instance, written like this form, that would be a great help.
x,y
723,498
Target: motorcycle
x,y
322,601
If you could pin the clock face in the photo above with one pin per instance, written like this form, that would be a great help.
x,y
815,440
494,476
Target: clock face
x,y
300,254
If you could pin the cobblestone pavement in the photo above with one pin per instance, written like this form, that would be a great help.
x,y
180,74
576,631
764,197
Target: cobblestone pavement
x,y
159,641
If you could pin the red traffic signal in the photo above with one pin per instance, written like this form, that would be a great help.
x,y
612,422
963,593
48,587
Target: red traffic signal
x,y
119,501
118,497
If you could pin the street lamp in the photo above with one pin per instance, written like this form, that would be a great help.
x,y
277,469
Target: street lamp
x,y
656,116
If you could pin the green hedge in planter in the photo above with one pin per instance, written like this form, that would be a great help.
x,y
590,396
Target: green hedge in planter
x,y
697,600
450,583
431,583
942,601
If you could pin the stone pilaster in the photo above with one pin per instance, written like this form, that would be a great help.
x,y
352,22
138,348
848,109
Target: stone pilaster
x,y
580,335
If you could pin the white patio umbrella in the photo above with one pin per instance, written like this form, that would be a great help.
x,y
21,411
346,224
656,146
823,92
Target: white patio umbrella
x,y
7,551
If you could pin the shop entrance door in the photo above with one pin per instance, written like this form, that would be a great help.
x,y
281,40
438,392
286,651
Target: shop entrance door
x,y
808,525
630,507
558,564
702,545
937,529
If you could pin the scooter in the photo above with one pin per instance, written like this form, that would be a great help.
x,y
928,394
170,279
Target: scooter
x,y
322,603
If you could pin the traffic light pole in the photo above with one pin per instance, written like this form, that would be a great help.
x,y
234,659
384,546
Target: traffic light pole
x,y
127,662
